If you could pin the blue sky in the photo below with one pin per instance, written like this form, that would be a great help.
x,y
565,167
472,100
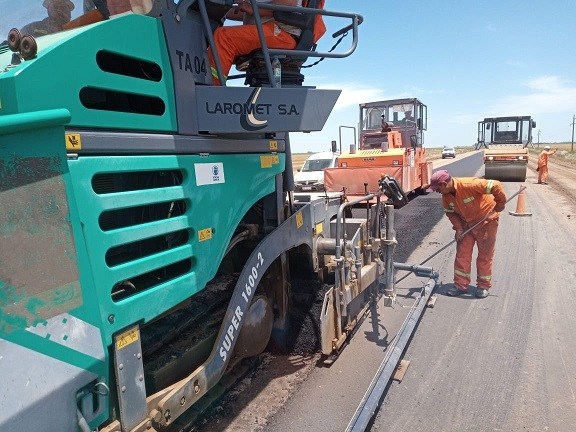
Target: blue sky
x,y
465,59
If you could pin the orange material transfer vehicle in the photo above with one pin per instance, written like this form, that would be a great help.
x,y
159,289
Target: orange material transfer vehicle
x,y
391,142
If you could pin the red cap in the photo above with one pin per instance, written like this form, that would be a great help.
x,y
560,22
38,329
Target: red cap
x,y
438,177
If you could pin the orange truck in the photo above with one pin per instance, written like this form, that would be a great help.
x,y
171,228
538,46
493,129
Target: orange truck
x,y
391,142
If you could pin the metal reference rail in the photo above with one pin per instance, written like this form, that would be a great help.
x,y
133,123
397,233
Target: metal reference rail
x,y
373,397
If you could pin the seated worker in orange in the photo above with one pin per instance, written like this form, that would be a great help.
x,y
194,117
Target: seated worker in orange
x,y
234,41
466,201
543,165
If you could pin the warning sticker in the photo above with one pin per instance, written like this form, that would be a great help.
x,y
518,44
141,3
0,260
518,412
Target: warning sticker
x,y
299,220
205,234
127,338
266,161
73,141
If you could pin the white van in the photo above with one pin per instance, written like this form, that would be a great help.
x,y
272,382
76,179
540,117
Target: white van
x,y
310,178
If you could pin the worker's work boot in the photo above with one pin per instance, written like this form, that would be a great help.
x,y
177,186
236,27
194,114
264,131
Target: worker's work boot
x,y
454,291
481,293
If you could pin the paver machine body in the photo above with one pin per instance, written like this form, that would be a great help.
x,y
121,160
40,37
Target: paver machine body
x,y
391,142
145,230
505,141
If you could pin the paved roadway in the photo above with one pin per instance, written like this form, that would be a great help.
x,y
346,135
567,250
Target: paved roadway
x,y
504,363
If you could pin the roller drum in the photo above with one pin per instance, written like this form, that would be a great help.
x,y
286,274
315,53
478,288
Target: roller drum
x,y
505,172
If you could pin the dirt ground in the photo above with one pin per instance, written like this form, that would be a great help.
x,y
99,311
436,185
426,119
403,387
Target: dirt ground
x,y
562,173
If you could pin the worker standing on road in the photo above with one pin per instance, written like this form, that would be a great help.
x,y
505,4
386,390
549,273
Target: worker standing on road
x,y
543,165
467,201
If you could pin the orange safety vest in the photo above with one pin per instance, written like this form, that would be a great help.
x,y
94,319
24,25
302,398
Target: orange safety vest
x,y
474,198
319,26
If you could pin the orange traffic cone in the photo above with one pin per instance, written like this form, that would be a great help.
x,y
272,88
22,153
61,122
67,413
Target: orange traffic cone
x,y
521,204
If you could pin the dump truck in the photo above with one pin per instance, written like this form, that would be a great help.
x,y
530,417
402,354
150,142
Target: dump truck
x,y
505,142
391,142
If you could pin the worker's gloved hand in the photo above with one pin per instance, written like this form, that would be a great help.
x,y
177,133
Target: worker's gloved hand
x,y
499,207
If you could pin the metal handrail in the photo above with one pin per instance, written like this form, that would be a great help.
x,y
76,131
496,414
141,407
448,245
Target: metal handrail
x,y
268,52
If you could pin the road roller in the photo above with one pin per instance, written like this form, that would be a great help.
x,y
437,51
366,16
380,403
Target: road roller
x,y
505,141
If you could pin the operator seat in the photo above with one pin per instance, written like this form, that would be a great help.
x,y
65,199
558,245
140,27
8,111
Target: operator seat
x,y
253,64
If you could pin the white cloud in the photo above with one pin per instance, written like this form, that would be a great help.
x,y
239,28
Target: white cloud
x,y
547,83
549,99
354,94
546,95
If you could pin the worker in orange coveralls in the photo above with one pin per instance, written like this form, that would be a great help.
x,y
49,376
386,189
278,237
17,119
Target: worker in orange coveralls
x,y
234,41
543,165
467,201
